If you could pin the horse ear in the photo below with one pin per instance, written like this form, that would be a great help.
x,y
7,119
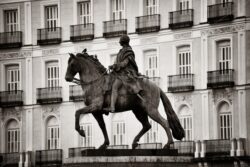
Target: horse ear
x,y
72,55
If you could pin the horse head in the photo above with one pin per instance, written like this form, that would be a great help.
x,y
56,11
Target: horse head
x,y
73,67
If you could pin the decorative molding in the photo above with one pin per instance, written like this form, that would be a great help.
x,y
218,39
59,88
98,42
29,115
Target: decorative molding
x,y
50,110
222,30
15,55
222,94
148,41
50,52
183,35
14,112
180,99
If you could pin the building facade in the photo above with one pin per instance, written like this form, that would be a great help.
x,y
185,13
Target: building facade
x,y
194,50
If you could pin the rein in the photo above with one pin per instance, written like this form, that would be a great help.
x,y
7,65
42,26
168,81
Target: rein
x,y
79,82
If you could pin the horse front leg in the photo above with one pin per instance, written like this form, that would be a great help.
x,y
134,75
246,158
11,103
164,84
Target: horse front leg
x,y
99,118
86,110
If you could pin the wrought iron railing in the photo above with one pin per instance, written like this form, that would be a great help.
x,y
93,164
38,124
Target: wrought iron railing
x,y
149,23
48,36
114,28
77,152
75,93
49,95
220,12
82,32
220,78
10,159
49,157
11,39
180,83
11,98
218,146
185,147
181,19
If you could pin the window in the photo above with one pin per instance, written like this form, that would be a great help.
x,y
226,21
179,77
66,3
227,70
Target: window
x,y
52,74
13,77
13,137
11,20
119,133
118,9
87,140
224,55
186,122
84,12
151,7
52,134
151,64
152,134
184,4
184,59
225,121
51,16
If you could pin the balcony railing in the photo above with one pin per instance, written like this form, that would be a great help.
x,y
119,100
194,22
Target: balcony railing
x,y
185,147
220,12
10,159
11,98
49,95
218,147
181,19
82,32
220,78
77,152
75,93
48,36
11,40
181,83
115,28
49,158
149,23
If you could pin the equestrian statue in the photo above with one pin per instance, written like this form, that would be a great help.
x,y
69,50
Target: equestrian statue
x,y
123,89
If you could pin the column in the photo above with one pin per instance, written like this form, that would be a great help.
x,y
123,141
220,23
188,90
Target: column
x,y
241,58
204,60
27,162
240,147
242,113
27,23
28,81
205,116
197,149
29,130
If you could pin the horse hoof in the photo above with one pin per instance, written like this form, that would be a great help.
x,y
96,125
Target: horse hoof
x,y
82,133
134,145
103,147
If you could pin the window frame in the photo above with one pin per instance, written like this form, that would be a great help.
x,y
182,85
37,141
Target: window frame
x,y
86,141
9,7
149,54
55,79
13,68
149,136
88,16
118,138
186,116
148,7
11,24
220,46
112,12
183,69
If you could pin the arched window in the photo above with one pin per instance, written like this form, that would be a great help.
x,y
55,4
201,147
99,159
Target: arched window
x,y
152,135
53,133
184,60
185,117
87,125
224,55
225,120
118,129
13,136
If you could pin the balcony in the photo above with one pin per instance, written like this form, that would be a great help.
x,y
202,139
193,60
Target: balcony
x,y
49,95
77,152
147,24
218,147
220,12
75,93
82,32
185,147
11,98
10,159
47,36
220,78
11,40
181,83
181,19
49,158
115,28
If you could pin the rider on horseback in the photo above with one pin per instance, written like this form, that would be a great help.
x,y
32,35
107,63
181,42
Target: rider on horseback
x,y
125,71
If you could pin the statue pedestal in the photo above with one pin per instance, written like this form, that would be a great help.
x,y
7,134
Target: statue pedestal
x,y
129,158
130,152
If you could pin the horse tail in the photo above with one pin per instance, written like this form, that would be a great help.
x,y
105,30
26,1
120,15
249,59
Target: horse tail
x,y
174,123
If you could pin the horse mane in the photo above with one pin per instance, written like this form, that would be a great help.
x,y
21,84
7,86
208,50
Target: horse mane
x,y
94,60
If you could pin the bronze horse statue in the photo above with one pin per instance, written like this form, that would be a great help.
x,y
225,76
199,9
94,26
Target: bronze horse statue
x,y
93,77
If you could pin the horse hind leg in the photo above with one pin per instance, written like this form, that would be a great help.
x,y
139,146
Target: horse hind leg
x,y
155,115
143,118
